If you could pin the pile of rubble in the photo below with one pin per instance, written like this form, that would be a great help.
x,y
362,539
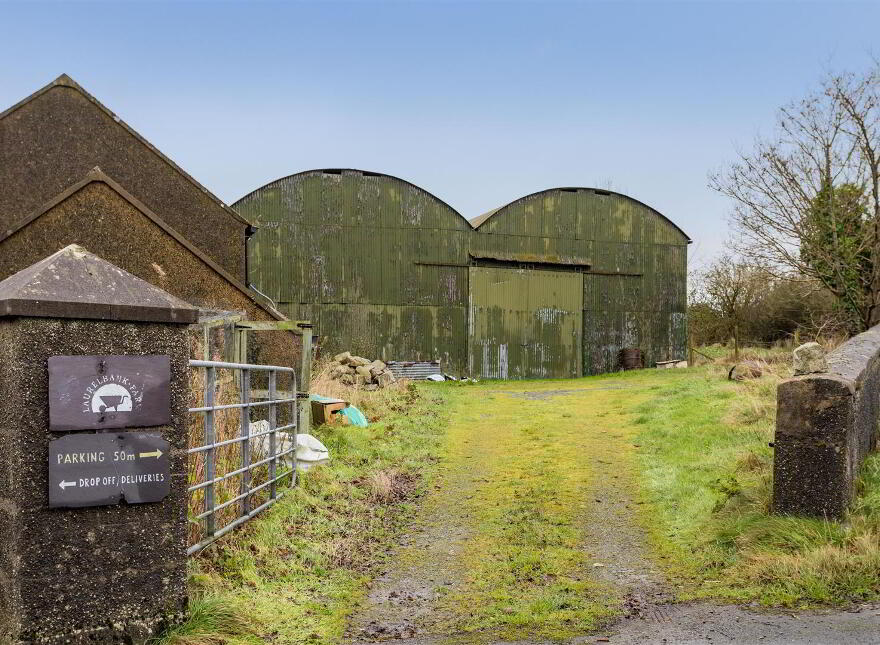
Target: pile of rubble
x,y
360,372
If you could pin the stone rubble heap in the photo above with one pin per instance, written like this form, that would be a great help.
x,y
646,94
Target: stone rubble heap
x,y
360,372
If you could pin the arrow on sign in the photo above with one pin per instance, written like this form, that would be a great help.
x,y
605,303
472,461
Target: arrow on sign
x,y
156,453
65,484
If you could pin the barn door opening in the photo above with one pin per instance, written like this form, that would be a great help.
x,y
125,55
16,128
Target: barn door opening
x,y
525,323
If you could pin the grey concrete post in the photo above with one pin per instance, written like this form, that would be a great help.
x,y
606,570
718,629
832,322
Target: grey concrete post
x,y
813,466
102,574
826,424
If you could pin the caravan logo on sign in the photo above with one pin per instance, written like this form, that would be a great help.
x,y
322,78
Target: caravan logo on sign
x,y
87,392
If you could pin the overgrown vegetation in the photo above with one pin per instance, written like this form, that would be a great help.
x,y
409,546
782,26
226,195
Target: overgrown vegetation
x,y
806,200
706,474
513,479
736,302
805,223
294,574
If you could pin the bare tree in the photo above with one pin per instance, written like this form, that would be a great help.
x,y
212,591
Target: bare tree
x,y
734,289
829,139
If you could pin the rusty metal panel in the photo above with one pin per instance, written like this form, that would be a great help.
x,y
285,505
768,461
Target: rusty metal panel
x,y
414,370
525,323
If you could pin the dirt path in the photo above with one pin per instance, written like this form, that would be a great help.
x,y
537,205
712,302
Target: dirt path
x,y
402,603
612,536
410,604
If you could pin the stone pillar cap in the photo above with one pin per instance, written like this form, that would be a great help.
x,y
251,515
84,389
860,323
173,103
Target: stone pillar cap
x,y
74,283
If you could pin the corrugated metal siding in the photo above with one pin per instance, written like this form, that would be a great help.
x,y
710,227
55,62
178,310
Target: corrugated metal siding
x,y
389,332
348,242
642,307
525,323
414,370
381,266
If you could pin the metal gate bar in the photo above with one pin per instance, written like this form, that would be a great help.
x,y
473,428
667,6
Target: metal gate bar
x,y
246,489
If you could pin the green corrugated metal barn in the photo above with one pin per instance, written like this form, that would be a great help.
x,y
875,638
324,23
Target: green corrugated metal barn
x,y
553,284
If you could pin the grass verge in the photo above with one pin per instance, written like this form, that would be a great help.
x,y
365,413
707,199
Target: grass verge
x,y
293,575
706,479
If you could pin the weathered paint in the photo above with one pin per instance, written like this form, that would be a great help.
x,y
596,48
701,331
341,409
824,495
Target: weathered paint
x,y
339,248
390,332
382,268
635,288
525,323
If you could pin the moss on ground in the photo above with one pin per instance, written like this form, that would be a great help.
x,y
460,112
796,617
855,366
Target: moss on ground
x,y
517,461
527,571
294,574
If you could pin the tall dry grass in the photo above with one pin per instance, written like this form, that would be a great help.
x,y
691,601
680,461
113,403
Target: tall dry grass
x,y
756,397
227,425
778,352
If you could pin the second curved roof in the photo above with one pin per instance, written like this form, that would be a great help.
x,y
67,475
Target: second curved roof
x,y
478,221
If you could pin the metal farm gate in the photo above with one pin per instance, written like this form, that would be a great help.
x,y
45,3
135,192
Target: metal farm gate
x,y
525,323
243,446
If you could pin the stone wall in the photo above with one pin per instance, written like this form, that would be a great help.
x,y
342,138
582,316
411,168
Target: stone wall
x,y
101,575
826,425
97,574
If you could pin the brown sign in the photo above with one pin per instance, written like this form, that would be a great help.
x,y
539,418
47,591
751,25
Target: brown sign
x,y
97,392
102,469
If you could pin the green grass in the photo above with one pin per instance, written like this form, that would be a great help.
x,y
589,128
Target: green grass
x,y
692,446
294,574
526,573
212,620
706,473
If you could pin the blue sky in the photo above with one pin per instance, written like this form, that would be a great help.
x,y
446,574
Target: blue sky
x,y
477,102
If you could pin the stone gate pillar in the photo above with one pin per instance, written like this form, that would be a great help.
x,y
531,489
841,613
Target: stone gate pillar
x,y
102,557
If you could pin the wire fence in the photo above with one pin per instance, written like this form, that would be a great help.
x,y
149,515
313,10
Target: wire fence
x,y
241,446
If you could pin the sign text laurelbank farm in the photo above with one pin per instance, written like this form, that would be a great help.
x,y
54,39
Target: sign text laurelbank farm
x,y
107,392
100,392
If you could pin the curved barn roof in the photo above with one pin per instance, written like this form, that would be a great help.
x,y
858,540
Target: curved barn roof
x,y
367,173
478,221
